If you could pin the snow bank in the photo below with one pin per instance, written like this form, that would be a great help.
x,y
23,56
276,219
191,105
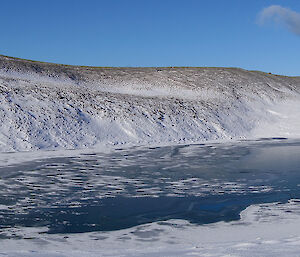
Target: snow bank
x,y
263,230
48,106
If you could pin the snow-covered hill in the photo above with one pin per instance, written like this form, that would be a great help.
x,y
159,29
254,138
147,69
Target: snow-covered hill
x,y
50,106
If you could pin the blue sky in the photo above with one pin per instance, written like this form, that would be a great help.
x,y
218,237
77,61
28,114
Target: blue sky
x,y
154,33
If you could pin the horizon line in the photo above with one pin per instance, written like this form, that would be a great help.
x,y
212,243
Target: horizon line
x,y
133,67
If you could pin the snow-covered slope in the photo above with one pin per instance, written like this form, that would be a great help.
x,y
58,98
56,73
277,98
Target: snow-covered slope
x,y
47,106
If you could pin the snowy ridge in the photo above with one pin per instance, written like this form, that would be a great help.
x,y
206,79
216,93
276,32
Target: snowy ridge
x,y
51,106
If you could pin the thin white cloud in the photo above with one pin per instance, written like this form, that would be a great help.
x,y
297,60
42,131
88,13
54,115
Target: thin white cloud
x,y
279,14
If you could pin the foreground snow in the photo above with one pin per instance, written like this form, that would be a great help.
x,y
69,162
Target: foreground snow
x,y
47,106
263,230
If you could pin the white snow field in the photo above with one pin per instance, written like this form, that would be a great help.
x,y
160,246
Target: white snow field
x,y
51,106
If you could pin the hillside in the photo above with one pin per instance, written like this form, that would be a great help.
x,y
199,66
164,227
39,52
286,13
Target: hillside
x,y
52,106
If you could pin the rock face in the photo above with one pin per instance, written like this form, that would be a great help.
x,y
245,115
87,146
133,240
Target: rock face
x,y
48,106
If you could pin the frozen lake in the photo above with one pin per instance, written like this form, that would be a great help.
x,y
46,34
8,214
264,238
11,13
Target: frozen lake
x,y
128,187
204,199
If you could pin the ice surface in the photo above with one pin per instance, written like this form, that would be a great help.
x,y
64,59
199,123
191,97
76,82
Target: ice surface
x,y
263,230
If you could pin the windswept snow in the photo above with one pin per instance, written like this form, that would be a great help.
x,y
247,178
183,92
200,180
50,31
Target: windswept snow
x,y
49,106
